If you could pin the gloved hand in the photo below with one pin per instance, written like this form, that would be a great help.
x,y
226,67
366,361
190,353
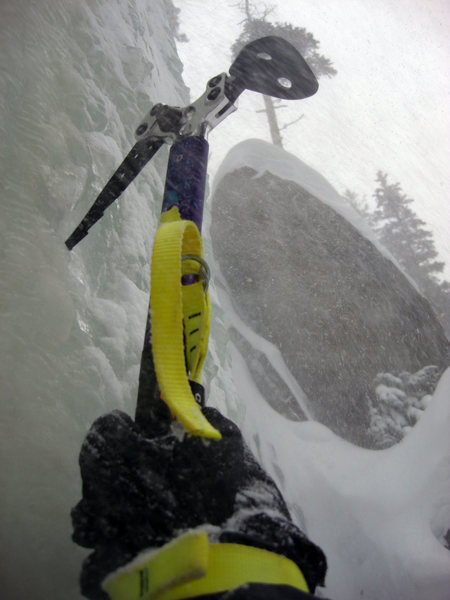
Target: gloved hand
x,y
140,493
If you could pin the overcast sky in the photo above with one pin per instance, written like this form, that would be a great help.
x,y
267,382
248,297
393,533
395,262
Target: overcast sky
x,y
388,107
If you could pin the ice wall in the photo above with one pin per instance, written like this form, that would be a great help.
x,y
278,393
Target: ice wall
x,y
76,78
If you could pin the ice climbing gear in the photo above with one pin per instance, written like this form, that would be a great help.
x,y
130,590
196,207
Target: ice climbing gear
x,y
180,317
269,65
177,328
190,566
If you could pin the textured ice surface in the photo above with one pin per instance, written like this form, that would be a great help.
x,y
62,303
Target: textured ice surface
x,y
76,78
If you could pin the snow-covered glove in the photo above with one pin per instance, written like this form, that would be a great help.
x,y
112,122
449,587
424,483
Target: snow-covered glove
x,y
260,591
140,493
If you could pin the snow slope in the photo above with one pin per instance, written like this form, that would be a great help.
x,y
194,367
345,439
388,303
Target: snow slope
x,y
380,516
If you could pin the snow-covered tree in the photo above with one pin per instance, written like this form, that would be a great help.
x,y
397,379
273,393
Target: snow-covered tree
x,y
173,18
403,233
361,205
399,403
256,25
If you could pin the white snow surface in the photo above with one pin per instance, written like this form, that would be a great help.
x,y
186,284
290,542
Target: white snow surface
x,y
76,78
380,516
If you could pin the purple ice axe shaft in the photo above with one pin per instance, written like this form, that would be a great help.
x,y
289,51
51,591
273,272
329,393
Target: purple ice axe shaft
x,y
185,189
186,179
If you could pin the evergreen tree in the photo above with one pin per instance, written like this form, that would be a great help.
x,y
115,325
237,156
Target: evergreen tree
x,y
256,25
399,403
402,232
438,293
173,17
300,38
359,204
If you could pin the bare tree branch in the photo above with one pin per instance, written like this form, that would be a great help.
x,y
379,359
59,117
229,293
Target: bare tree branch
x,y
291,123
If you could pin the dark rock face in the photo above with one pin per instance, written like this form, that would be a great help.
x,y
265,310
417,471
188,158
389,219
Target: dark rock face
x,y
267,380
307,280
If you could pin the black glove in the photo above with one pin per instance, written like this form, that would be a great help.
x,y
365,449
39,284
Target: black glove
x,y
140,493
260,591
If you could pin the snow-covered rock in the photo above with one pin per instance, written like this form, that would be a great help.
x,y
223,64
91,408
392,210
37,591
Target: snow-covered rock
x,y
305,274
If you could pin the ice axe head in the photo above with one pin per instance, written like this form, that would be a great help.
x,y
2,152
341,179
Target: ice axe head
x,y
272,66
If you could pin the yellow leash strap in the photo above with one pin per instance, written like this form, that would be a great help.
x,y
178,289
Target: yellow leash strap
x,y
197,317
190,566
180,317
